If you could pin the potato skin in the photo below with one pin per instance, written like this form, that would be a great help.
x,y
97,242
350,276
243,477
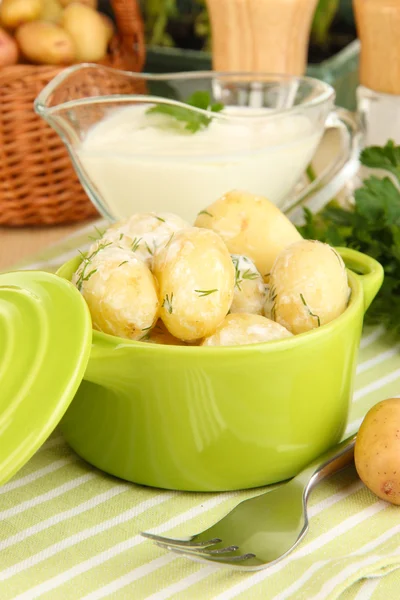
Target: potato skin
x,y
308,286
14,13
250,225
249,292
244,328
120,291
196,278
377,450
45,43
144,233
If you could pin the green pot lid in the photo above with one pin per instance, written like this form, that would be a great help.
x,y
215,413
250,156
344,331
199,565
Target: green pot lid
x,y
45,342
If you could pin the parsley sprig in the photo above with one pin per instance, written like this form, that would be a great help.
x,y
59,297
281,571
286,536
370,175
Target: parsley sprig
x,y
193,121
372,226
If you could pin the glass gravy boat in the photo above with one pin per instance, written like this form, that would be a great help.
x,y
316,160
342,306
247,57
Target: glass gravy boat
x,y
180,158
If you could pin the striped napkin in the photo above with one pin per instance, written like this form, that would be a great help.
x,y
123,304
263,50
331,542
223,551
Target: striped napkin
x,y
71,532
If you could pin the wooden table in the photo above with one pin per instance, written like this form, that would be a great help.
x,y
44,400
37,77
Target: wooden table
x,y
18,243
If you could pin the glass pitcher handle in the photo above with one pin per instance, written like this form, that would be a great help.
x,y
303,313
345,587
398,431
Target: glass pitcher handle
x,y
332,179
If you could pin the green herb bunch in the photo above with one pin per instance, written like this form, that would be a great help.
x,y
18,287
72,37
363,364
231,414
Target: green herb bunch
x,y
372,226
193,121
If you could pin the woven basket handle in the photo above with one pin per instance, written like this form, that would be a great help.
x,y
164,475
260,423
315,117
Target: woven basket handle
x,y
130,28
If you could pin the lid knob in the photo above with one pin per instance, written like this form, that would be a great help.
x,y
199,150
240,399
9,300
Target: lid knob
x,y
378,28
269,36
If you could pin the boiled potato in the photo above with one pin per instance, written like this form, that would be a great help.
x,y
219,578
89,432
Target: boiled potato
x,y
45,43
51,11
120,291
249,293
8,50
145,233
90,3
160,335
244,328
377,450
308,286
87,30
196,279
250,225
14,13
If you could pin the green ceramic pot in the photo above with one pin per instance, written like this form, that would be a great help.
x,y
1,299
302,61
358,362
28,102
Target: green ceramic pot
x,y
212,419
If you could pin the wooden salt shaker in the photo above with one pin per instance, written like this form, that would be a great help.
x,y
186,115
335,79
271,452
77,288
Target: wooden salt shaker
x,y
378,96
269,36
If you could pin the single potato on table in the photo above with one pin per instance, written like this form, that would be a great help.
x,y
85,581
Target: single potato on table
x,y
250,225
241,328
120,291
249,293
145,233
308,286
377,450
196,280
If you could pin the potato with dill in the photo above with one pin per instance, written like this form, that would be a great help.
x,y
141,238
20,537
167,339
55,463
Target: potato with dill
x,y
250,225
196,279
120,291
308,286
249,292
243,328
144,233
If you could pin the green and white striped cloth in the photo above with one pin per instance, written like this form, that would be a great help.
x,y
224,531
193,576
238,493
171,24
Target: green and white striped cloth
x,y
70,532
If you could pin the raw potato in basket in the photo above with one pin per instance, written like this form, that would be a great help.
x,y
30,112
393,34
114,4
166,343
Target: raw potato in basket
x,y
250,225
308,286
145,233
196,279
120,291
240,329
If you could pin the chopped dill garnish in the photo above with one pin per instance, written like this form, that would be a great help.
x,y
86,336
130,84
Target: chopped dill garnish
x,y
149,250
205,212
86,260
249,275
170,240
167,303
98,236
135,244
203,293
160,219
309,311
123,263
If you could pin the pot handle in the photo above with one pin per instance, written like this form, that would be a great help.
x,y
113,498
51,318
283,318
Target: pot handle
x,y
368,270
333,178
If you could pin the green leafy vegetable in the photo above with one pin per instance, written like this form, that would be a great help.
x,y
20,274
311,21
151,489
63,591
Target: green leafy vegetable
x,y
193,121
372,227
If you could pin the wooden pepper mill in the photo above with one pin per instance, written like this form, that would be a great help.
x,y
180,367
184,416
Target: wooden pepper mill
x,y
378,28
378,96
270,36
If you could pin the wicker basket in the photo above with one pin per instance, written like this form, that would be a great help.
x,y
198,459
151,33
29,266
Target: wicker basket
x,y
38,185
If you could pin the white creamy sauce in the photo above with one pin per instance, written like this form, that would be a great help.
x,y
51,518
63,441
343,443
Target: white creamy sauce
x,y
139,163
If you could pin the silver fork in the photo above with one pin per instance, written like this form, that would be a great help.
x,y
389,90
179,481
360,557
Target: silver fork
x,y
262,530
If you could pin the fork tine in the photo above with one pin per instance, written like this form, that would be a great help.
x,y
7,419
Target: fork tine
x,y
180,542
207,555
